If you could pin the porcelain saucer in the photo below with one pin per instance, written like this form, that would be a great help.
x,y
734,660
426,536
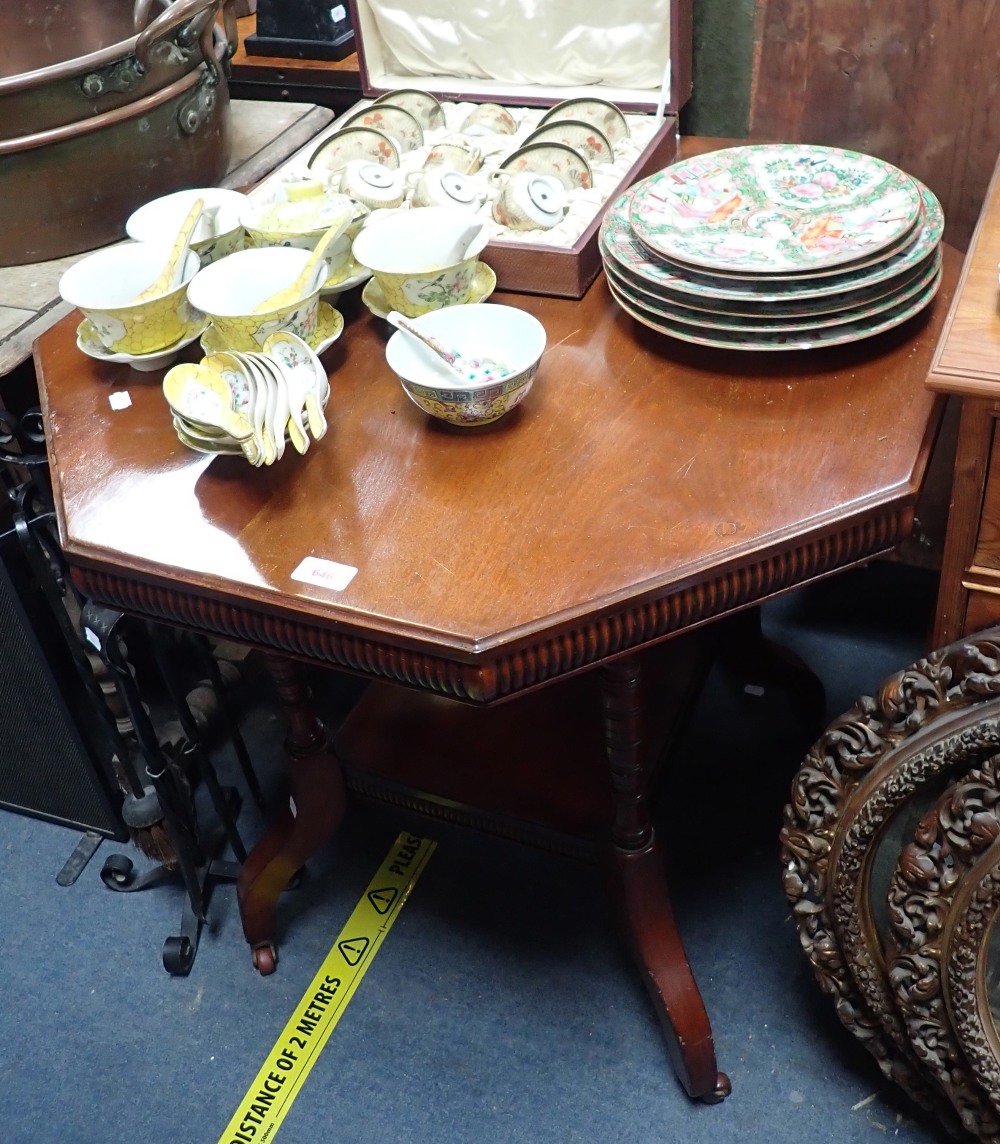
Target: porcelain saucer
x,y
351,274
482,287
395,122
89,343
568,166
329,327
336,151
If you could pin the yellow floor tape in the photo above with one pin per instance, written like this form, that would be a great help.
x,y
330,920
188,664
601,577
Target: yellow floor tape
x,y
287,1065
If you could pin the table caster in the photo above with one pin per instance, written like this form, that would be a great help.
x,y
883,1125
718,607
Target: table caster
x,y
265,958
178,955
723,1087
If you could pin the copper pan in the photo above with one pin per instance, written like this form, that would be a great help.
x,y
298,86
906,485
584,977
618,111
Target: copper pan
x,y
67,60
72,188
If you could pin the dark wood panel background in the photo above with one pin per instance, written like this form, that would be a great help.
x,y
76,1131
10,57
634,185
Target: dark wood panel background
x,y
916,82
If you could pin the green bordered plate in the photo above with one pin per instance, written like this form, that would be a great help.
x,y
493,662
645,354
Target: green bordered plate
x,y
620,246
800,340
774,208
767,322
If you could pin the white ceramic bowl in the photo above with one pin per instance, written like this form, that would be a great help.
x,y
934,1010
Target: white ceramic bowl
x,y
503,333
161,219
105,284
230,290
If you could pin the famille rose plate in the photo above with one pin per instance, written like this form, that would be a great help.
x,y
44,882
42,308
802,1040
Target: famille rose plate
x,y
584,138
767,321
599,112
336,151
776,208
619,245
805,339
567,165
391,120
424,107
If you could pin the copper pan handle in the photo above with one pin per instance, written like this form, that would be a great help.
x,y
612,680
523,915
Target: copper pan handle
x,y
140,13
177,13
93,123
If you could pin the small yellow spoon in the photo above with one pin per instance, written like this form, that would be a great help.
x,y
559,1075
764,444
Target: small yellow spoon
x,y
201,395
169,275
303,284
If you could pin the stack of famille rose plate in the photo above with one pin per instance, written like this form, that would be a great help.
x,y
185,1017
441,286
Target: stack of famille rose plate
x,y
774,247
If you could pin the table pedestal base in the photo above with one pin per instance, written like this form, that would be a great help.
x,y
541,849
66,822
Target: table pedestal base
x,y
312,816
569,768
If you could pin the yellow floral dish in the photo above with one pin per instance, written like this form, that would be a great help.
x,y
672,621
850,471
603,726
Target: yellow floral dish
x,y
104,285
329,326
483,285
89,343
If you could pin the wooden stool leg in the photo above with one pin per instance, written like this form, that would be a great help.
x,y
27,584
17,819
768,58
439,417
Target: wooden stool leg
x,y
318,799
640,884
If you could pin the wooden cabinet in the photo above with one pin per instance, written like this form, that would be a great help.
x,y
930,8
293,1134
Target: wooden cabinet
x,y
967,363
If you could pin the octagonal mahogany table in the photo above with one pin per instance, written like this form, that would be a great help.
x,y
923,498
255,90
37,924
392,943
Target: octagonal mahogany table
x,y
644,488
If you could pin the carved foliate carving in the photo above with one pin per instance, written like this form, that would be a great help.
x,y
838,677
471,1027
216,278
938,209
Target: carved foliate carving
x,y
824,868
968,930
948,839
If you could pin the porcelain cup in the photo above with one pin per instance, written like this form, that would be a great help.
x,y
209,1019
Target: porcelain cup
x,y
527,201
489,119
455,155
422,259
371,184
440,187
230,290
300,222
104,285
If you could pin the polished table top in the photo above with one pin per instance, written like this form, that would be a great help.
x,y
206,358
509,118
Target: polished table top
x,y
643,486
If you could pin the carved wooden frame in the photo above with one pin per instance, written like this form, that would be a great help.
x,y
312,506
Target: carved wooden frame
x,y
975,906
889,743
947,842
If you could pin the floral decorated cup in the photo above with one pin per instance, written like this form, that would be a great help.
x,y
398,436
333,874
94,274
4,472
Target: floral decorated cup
x,y
489,119
229,292
422,259
440,187
454,155
104,285
373,186
301,222
528,201
218,233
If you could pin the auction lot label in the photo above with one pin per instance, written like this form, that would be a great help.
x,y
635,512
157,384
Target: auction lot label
x,y
287,1065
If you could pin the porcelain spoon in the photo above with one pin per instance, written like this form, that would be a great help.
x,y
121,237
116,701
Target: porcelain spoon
x,y
468,369
305,282
172,273
201,395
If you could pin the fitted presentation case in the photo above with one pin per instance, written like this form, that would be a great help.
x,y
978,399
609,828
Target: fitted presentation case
x,y
533,55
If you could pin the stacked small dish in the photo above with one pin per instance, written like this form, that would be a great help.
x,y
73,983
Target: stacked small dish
x,y
250,404
774,247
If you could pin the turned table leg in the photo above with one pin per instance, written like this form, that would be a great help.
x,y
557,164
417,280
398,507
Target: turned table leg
x,y
315,810
640,884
